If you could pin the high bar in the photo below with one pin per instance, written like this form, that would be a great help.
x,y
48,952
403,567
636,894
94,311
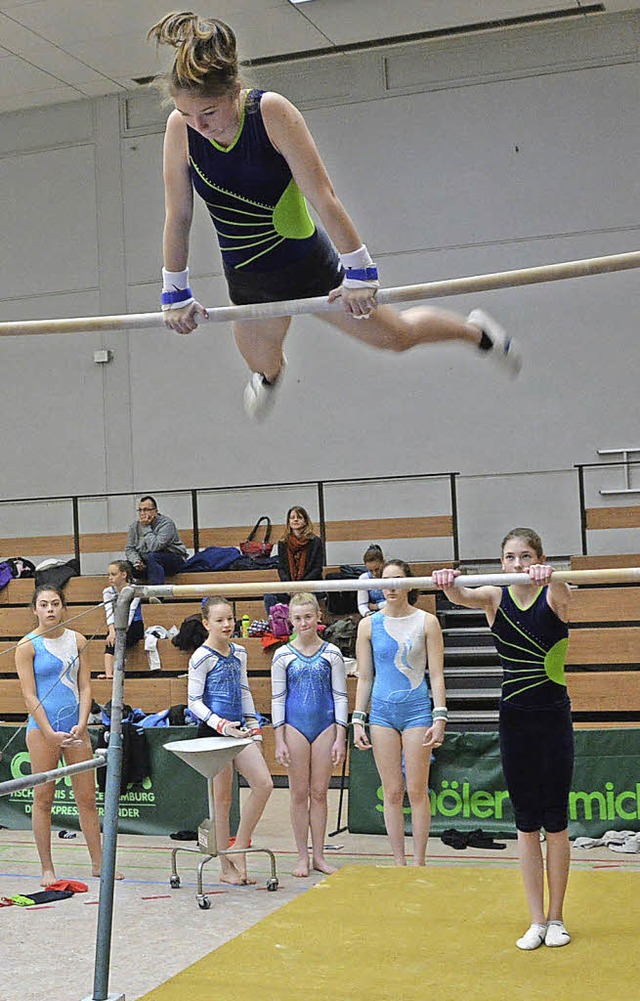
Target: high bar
x,y
40,778
615,575
295,307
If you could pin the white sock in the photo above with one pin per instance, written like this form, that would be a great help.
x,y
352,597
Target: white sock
x,y
533,937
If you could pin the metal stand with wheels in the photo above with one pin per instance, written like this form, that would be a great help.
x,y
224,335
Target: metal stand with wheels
x,y
209,756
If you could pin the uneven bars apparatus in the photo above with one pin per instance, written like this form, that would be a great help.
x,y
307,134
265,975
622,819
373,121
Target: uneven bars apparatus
x,y
294,307
618,575
41,778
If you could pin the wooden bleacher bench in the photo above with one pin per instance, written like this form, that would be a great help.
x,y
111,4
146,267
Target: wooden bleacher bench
x,y
355,530
603,657
158,690
602,562
602,518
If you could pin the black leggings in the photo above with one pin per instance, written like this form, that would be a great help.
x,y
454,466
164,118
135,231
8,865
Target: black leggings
x,y
537,760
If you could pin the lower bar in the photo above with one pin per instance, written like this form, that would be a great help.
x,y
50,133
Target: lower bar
x,y
614,575
40,778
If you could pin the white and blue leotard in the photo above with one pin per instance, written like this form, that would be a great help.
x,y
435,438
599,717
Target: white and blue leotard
x,y
55,668
219,686
308,693
400,696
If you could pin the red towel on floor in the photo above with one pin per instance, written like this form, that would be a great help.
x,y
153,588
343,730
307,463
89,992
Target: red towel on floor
x,y
69,884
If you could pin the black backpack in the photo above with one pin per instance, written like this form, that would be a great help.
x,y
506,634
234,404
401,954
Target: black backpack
x,y
135,757
343,602
20,567
56,572
191,634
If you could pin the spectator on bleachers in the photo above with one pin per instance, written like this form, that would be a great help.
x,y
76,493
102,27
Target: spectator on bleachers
x,y
300,553
119,573
372,599
153,544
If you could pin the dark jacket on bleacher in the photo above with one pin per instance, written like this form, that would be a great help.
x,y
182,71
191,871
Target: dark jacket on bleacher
x,y
314,562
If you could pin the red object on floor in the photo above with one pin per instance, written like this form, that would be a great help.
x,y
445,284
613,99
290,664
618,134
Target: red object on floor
x,y
69,884
232,842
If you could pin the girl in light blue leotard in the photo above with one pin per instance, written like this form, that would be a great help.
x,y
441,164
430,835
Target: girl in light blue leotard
x,y
395,649
309,714
55,682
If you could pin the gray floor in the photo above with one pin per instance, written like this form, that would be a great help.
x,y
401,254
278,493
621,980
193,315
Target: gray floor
x,y
48,952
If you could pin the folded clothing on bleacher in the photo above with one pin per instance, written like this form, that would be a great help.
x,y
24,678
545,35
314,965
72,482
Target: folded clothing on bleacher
x,y
211,558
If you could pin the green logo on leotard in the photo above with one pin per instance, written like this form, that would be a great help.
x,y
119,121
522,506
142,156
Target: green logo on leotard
x,y
258,227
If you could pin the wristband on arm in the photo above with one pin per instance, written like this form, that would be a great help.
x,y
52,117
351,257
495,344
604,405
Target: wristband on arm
x,y
360,271
175,289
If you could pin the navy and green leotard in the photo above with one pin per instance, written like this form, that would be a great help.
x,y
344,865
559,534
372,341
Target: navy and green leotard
x,y
536,735
259,213
532,645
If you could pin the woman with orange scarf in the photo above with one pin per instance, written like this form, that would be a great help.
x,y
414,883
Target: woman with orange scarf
x,y
300,553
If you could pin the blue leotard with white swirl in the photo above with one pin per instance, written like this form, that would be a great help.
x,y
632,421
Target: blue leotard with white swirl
x,y
55,668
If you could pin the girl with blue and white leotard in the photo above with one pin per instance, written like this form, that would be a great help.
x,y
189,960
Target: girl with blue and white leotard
x,y
529,622
220,697
371,599
309,715
394,649
55,682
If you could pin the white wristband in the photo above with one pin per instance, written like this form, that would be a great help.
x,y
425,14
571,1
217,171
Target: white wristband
x,y
360,258
360,270
173,284
173,280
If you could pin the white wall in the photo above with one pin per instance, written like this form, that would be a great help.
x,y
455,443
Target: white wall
x,y
464,156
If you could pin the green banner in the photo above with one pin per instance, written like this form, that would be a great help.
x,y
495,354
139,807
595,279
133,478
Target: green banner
x,y
172,798
467,788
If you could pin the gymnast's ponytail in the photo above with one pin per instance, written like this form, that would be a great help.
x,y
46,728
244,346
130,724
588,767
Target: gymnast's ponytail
x,y
206,60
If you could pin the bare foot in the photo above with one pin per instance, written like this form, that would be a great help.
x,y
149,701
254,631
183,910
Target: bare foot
x,y
321,866
302,868
230,874
48,877
247,880
417,862
97,872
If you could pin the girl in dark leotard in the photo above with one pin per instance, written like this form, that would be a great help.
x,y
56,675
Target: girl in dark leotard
x,y
529,625
250,156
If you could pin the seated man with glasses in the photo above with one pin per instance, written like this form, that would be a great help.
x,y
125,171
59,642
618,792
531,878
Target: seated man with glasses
x,y
153,544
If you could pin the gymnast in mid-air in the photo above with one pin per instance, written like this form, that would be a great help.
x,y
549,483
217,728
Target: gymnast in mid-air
x,y
250,156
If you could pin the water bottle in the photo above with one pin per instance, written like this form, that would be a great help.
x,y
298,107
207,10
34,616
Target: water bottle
x,y
246,622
